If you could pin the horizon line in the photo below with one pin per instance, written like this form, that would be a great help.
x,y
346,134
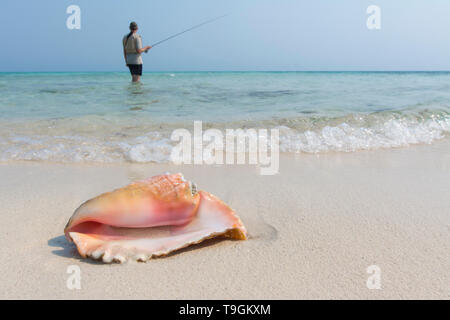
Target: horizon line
x,y
231,71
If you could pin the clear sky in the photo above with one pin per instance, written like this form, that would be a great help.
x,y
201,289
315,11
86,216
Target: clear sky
x,y
257,35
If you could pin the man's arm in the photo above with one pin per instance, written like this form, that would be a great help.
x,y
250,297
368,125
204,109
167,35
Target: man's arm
x,y
144,49
124,51
139,48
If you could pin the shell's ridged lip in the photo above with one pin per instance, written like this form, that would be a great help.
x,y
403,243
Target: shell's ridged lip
x,y
144,257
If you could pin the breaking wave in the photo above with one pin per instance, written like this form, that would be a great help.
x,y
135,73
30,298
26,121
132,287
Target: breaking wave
x,y
346,138
143,142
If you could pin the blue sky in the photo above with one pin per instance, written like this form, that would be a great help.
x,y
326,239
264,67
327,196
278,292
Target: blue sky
x,y
257,35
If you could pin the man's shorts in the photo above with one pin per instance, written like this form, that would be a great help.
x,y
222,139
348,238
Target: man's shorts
x,y
135,69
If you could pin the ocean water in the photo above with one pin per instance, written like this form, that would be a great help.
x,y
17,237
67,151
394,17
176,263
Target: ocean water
x,y
102,117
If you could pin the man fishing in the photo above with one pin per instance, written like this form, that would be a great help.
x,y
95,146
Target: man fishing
x,y
132,49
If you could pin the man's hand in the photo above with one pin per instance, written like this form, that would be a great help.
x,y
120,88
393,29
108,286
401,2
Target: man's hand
x,y
144,49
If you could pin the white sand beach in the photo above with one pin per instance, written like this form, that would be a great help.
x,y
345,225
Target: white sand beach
x,y
314,229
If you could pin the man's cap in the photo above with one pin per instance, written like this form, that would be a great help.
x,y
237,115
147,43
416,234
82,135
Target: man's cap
x,y
133,26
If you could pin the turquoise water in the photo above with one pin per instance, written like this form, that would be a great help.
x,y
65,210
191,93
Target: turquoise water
x,y
102,117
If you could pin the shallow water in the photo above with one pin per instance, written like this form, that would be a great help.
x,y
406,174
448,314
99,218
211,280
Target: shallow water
x,y
102,117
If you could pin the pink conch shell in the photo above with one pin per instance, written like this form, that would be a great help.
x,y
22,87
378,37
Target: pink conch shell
x,y
148,219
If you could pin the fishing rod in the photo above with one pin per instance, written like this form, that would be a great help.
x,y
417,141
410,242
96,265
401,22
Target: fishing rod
x,y
192,28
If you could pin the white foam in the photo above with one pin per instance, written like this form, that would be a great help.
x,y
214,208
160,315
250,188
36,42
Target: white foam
x,y
349,134
345,138
152,151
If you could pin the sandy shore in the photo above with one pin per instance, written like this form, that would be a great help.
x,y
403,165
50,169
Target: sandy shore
x,y
314,229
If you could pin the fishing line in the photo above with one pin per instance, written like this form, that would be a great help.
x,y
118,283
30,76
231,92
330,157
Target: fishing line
x,y
192,28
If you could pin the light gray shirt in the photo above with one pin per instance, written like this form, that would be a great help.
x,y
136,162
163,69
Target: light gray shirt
x,y
131,46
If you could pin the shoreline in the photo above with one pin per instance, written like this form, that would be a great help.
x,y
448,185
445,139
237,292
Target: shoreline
x,y
314,229
439,145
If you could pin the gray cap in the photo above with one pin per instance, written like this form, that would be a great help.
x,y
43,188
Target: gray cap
x,y
133,26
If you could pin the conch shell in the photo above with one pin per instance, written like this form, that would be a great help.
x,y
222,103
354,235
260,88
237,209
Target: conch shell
x,y
150,218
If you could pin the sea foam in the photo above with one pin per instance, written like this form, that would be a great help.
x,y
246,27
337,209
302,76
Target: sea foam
x,y
351,133
346,138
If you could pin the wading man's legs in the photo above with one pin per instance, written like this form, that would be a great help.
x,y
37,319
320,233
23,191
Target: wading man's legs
x,y
135,78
